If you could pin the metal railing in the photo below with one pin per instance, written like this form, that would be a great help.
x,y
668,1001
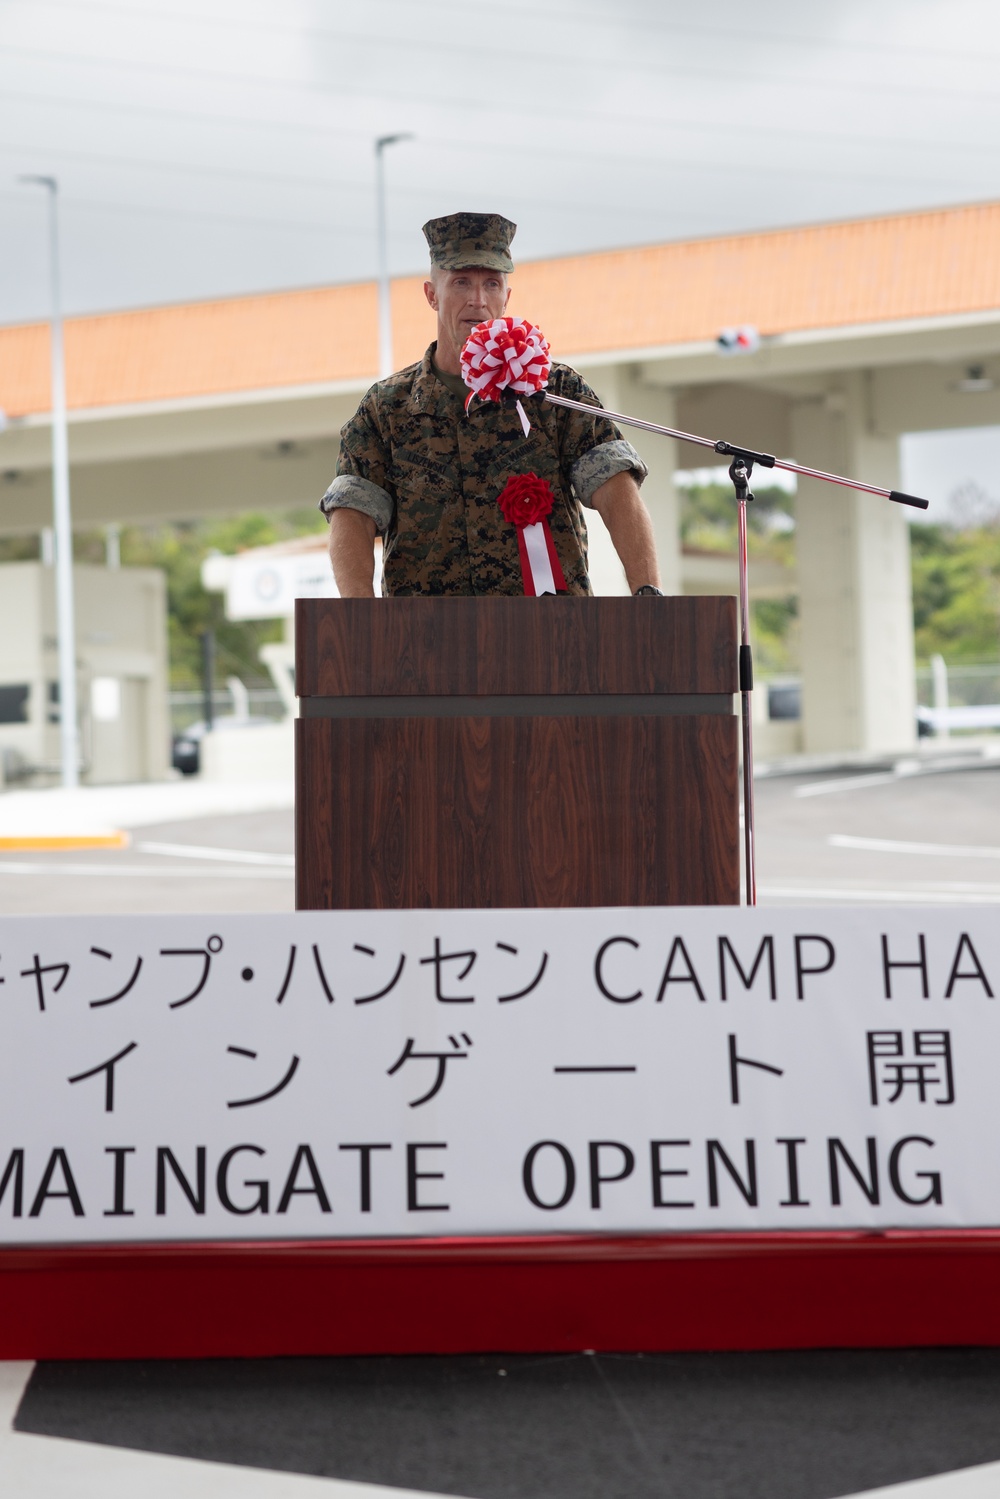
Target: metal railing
x,y
187,708
967,686
961,698
940,689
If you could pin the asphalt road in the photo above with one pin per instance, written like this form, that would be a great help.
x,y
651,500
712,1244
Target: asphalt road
x,y
932,837
662,1426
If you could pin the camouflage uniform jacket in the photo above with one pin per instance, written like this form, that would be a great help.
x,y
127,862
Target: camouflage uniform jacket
x,y
429,476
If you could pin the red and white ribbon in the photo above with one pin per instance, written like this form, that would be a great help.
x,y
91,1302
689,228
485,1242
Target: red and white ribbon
x,y
526,501
507,353
539,563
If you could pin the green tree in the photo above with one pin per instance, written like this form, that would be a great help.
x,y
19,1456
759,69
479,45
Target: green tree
x,y
708,519
956,592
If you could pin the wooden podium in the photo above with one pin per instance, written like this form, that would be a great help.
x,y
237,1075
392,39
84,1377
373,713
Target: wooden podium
x,y
516,752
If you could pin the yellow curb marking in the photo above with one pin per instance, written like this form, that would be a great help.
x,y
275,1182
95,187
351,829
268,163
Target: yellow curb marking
x,y
64,844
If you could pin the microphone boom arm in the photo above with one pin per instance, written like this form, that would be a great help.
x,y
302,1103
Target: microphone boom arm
x,y
730,450
743,461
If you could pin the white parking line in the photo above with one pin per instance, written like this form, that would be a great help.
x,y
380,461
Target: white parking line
x,y
903,770
846,783
895,846
807,895
121,871
224,855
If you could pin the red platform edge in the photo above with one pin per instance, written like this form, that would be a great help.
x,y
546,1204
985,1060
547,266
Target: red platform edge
x,y
509,1295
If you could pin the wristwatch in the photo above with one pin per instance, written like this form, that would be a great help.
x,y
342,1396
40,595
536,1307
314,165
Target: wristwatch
x,y
648,588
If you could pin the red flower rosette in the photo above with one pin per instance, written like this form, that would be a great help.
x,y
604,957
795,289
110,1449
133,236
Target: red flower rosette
x,y
526,501
506,353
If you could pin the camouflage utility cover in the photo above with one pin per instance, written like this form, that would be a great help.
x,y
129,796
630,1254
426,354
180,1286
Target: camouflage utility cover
x,y
429,475
470,239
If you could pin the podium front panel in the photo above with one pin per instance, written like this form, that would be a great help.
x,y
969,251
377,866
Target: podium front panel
x,y
553,811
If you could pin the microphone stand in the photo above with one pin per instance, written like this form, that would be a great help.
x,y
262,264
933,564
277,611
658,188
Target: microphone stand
x,y
740,470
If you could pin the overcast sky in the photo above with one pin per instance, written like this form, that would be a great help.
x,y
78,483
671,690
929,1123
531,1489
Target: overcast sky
x,y
212,147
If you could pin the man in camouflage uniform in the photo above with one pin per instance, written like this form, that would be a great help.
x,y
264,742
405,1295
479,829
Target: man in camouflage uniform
x,y
419,470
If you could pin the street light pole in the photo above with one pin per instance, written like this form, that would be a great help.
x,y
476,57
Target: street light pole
x,y
69,739
385,361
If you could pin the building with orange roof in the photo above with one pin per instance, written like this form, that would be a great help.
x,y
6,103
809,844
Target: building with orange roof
x,y
868,329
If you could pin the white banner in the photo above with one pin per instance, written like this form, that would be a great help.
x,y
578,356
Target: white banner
x,y
497,1072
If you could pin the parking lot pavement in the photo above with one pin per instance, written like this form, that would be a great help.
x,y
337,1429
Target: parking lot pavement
x,y
877,836
241,862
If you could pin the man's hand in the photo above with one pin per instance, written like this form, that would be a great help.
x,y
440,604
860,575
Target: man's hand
x,y
620,506
352,553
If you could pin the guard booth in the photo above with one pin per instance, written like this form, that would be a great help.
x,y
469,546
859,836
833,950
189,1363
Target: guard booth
x,y
121,651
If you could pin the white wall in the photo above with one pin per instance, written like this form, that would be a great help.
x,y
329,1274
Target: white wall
x,y
121,638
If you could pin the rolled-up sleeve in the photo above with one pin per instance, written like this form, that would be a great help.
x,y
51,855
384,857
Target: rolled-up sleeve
x,y
351,492
361,469
600,464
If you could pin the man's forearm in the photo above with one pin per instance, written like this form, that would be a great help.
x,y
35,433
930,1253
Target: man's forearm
x,y
352,553
620,506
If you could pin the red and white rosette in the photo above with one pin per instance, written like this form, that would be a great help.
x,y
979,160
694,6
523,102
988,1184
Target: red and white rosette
x,y
507,353
526,501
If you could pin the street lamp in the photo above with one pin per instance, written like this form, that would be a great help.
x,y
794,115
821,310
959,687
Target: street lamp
x,y
69,742
385,364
